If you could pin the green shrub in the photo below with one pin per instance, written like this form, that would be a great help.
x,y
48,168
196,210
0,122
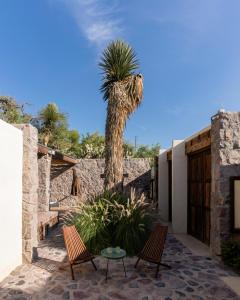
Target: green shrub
x,y
231,253
132,224
92,224
112,219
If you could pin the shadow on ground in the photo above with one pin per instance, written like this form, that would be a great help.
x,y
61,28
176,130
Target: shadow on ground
x,y
191,277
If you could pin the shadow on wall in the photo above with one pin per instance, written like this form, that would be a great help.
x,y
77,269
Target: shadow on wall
x,y
88,172
57,170
141,184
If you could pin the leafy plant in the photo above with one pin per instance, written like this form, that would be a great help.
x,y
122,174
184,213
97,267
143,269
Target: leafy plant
x,y
144,151
128,150
92,146
133,223
92,223
13,112
74,137
231,253
52,126
112,219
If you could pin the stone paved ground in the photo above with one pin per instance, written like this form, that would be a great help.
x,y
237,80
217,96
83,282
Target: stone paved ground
x,y
191,277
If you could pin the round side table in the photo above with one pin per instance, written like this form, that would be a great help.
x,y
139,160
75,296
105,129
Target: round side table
x,y
114,254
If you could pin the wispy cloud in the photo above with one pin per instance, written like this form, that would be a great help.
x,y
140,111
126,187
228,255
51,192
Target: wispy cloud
x,y
200,18
96,19
176,110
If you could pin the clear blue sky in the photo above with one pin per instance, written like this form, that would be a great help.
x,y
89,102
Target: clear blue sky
x,y
189,53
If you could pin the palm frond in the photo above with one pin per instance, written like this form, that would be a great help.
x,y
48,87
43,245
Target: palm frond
x,y
117,63
50,114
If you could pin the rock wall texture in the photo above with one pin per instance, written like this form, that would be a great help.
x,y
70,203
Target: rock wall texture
x,y
30,190
225,148
44,169
89,171
46,218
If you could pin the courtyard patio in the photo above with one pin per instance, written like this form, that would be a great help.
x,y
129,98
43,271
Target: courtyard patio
x,y
191,276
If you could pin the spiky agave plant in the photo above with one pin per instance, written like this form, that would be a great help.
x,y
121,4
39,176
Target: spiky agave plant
x,y
123,90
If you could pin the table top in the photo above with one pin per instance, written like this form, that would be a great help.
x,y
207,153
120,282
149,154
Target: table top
x,y
113,253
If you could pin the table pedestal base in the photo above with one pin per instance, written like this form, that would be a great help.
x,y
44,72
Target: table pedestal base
x,y
123,268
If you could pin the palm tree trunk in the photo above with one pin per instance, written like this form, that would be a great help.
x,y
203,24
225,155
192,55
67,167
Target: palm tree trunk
x,y
120,106
115,124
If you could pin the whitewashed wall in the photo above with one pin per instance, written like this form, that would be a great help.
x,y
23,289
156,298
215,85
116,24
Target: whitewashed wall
x,y
179,187
11,154
163,185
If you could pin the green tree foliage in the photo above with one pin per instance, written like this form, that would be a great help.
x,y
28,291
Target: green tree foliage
x,y
128,150
144,151
74,138
92,146
12,112
54,132
52,127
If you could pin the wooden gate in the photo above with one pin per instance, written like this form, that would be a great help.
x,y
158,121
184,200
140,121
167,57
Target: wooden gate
x,y
199,195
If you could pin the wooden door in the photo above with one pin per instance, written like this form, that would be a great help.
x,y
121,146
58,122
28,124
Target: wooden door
x,y
199,195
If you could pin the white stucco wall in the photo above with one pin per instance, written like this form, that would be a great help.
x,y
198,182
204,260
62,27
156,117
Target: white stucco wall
x,y
163,185
11,153
179,187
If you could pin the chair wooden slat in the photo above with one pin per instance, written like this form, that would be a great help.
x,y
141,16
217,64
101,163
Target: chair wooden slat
x,y
76,249
153,249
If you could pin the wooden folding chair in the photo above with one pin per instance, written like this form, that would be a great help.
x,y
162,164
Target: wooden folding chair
x,y
153,249
76,250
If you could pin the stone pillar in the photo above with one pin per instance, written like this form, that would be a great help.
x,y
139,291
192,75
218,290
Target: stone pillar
x,y
30,190
225,148
44,169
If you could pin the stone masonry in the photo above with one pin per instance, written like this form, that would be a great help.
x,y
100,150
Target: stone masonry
x,y
44,168
90,170
225,148
30,190
46,218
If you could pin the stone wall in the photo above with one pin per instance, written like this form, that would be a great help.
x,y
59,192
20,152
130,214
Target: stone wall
x,y
139,175
30,191
46,218
44,168
90,170
225,148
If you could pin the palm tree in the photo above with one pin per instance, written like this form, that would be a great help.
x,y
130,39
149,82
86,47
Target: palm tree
x,y
123,90
50,122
